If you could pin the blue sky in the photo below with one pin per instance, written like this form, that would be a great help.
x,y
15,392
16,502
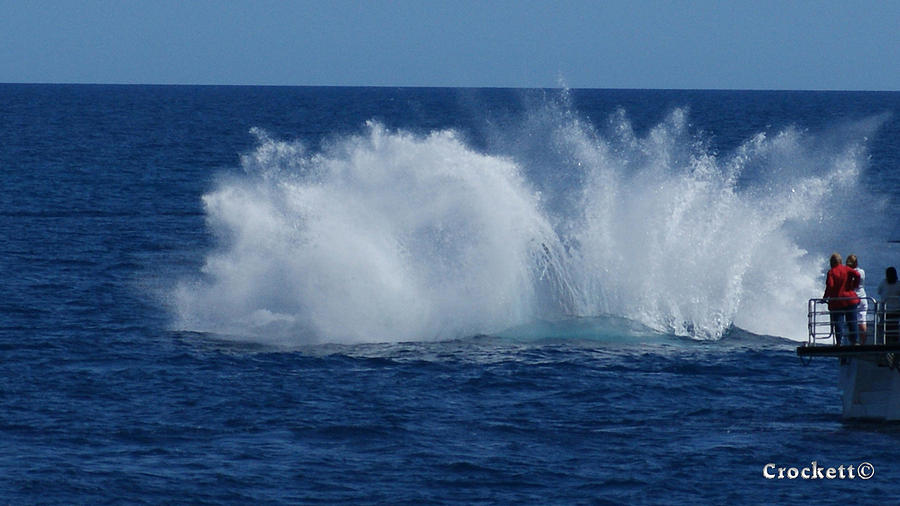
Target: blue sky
x,y
843,45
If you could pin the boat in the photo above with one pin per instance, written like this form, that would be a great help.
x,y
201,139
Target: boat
x,y
869,374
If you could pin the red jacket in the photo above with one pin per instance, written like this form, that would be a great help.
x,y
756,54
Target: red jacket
x,y
842,281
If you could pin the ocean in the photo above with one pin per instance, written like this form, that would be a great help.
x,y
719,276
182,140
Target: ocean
x,y
336,295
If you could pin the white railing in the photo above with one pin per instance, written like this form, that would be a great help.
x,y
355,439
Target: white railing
x,y
882,321
889,320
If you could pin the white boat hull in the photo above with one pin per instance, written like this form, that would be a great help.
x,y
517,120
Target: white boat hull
x,y
871,389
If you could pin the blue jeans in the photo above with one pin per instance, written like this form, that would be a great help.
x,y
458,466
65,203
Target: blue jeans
x,y
849,315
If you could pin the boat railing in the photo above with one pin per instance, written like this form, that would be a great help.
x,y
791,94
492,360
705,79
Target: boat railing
x,y
889,321
882,321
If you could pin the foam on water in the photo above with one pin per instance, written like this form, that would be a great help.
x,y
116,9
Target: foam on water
x,y
389,236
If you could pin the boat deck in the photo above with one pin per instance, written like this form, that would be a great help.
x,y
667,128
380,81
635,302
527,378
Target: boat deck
x,y
847,350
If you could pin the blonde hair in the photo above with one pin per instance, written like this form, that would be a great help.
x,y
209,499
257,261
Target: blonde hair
x,y
835,259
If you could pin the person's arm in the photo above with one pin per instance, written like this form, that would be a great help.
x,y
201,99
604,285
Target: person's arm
x,y
853,280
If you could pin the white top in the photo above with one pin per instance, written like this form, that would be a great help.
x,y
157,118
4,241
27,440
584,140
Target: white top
x,y
861,291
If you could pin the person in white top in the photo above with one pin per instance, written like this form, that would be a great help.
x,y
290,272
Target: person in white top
x,y
889,298
863,307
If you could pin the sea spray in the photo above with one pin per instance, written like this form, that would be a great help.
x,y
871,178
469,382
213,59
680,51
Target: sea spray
x,y
677,237
665,231
390,236
384,236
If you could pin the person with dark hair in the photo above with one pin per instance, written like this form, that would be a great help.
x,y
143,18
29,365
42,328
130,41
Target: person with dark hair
x,y
889,299
840,293
863,308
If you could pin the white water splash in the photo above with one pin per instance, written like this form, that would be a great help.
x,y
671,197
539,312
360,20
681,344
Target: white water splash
x,y
390,236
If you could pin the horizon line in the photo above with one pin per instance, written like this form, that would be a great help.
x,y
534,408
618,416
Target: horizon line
x,y
406,86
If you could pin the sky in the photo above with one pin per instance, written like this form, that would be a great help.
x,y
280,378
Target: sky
x,y
759,44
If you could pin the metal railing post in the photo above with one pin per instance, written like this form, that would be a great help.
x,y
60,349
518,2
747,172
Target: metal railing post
x,y
870,318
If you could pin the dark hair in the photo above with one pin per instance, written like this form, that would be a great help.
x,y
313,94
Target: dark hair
x,y
891,274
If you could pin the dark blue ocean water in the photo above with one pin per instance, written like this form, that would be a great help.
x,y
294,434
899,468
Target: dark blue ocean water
x,y
581,296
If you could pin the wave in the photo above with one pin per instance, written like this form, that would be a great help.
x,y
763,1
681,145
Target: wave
x,y
391,236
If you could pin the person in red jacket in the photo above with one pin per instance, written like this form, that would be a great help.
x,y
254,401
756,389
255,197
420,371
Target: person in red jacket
x,y
840,293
